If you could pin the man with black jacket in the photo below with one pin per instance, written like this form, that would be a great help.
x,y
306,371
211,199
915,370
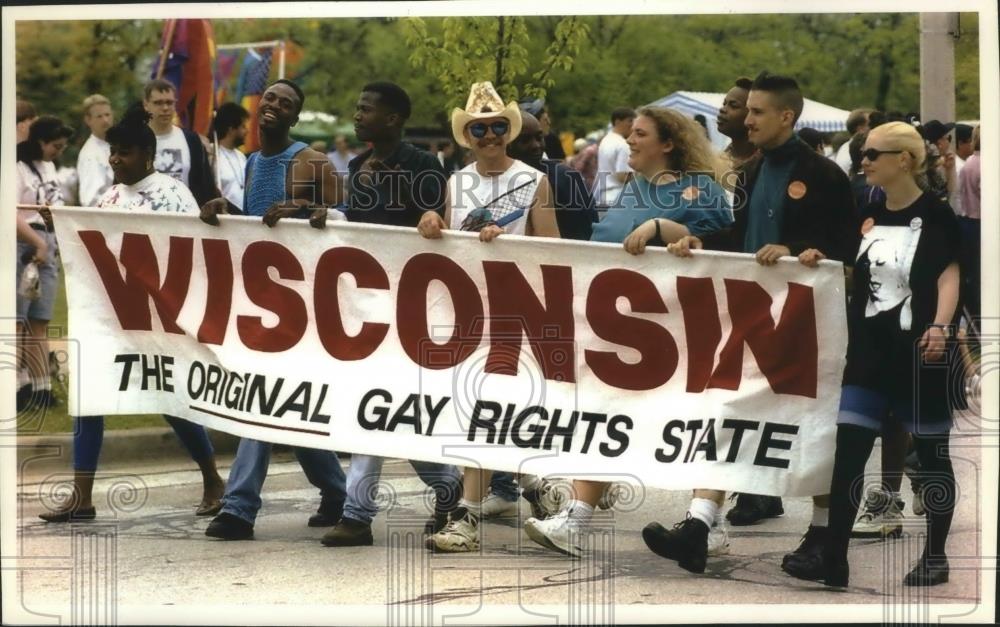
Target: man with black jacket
x,y
179,152
792,200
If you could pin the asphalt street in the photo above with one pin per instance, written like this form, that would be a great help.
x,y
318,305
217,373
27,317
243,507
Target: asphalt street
x,y
147,560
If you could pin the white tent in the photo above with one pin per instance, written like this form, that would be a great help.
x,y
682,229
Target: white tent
x,y
817,115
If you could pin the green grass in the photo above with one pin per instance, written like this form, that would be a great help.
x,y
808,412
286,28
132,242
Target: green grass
x,y
55,419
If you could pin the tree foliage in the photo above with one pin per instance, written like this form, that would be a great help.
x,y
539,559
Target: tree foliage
x,y
584,65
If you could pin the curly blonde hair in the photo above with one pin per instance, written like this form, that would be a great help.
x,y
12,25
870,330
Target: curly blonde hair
x,y
692,151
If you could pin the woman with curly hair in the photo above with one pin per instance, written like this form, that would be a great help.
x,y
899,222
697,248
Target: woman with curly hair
x,y
674,193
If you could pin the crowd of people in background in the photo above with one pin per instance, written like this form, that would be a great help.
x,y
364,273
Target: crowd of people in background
x,y
894,201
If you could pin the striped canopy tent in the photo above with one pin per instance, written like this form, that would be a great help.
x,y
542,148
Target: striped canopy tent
x,y
817,115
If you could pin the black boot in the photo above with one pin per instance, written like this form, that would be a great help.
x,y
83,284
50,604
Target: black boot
x,y
753,508
327,515
686,543
349,532
228,527
836,570
806,562
929,571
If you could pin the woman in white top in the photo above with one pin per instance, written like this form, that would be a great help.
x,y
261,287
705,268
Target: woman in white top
x,y
139,187
38,187
496,194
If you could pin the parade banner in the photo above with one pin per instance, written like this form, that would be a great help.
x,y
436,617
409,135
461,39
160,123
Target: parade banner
x,y
522,354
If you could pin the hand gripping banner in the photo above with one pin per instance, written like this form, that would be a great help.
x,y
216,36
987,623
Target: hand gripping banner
x,y
522,354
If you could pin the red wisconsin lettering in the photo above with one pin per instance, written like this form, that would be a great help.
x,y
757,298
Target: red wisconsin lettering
x,y
411,312
281,300
787,354
514,308
130,297
367,273
702,329
657,348
219,298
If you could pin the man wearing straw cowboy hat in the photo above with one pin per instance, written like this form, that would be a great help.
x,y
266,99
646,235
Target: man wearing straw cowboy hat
x,y
494,195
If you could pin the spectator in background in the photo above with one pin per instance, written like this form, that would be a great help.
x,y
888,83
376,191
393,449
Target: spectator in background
x,y
25,116
179,152
730,122
585,161
553,147
612,159
940,158
857,122
970,178
38,185
92,168
814,139
963,150
341,156
448,156
230,130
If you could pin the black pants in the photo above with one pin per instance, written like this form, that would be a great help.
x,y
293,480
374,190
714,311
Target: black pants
x,y
854,447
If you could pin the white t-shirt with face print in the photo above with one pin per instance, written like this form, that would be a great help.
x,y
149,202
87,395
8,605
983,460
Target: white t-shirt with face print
x,y
173,157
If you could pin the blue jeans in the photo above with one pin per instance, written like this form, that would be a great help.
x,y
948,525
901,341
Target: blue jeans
x,y
502,484
246,478
364,474
88,435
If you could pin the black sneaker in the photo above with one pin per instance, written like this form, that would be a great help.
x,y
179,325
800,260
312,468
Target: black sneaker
x,y
436,523
349,532
806,562
24,397
686,543
932,571
228,527
753,508
327,515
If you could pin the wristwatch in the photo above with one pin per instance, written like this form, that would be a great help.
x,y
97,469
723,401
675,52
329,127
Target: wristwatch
x,y
947,329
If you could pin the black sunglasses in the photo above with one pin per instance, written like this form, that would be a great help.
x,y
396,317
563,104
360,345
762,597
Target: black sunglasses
x,y
873,153
499,128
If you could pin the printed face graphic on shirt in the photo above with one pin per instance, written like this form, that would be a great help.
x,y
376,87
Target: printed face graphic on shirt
x,y
48,193
888,253
168,161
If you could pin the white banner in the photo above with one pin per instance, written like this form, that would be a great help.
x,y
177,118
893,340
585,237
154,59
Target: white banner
x,y
544,356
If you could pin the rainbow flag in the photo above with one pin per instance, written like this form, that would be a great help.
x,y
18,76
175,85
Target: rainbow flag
x,y
249,88
187,59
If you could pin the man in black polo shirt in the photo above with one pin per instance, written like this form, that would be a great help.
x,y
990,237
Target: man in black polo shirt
x,y
392,183
791,200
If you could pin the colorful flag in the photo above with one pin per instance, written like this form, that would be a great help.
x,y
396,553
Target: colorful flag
x,y
249,88
225,64
187,59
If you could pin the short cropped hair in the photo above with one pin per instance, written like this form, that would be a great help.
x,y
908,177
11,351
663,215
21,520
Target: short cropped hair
x,y
392,96
858,118
743,82
295,87
229,116
25,111
93,100
157,84
622,113
785,89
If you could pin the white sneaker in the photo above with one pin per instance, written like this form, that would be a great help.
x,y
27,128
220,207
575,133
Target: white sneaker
x,y
495,506
882,517
458,536
557,533
718,540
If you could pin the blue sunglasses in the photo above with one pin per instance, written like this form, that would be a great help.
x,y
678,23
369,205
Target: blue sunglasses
x,y
499,128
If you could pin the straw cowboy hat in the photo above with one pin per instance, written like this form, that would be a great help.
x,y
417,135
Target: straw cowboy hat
x,y
484,103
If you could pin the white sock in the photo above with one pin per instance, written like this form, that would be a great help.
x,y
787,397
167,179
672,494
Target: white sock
x,y
23,378
704,510
580,512
719,518
821,516
41,383
475,507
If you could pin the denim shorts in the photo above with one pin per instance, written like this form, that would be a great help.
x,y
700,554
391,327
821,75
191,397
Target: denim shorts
x,y
48,277
871,409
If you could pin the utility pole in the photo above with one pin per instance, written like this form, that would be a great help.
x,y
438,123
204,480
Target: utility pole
x,y
938,32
